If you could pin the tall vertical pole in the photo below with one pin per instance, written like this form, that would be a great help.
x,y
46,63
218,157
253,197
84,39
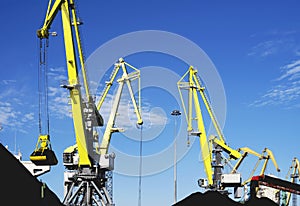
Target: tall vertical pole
x,y
175,113
175,163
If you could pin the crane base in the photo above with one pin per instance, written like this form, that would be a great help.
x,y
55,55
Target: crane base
x,y
86,187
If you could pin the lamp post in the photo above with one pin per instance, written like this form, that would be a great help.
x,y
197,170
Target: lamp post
x,y
175,113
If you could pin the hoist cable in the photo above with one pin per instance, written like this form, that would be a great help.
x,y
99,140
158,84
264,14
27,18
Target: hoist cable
x,y
46,85
140,167
40,45
43,87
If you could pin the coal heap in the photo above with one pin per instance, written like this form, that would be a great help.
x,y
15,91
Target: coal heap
x,y
19,187
211,198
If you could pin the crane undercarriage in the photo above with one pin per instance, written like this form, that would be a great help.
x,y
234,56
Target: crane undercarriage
x,y
88,186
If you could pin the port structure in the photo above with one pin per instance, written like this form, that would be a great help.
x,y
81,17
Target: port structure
x,y
213,148
87,164
264,156
292,175
273,182
79,182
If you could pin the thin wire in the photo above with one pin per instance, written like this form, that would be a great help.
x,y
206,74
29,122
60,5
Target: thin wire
x,y
46,86
40,46
43,87
140,172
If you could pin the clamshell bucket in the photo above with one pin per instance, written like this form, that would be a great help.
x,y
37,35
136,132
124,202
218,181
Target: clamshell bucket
x,y
45,157
43,154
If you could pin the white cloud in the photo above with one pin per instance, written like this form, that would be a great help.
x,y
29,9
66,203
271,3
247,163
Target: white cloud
x,y
266,48
5,113
28,117
12,116
8,81
59,106
16,106
290,73
287,89
126,117
277,42
19,103
291,65
57,69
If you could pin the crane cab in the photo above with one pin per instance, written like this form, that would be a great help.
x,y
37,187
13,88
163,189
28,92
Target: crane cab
x,y
43,154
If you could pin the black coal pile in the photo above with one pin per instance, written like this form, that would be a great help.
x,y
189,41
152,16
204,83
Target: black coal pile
x,y
211,198
19,187
260,202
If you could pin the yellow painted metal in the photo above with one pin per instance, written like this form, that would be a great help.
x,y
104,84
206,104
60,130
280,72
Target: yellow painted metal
x,y
108,86
266,155
234,154
186,86
122,64
137,110
71,149
50,15
126,78
75,92
206,157
68,14
293,174
193,94
194,87
38,158
75,23
245,151
110,123
43,143
43,154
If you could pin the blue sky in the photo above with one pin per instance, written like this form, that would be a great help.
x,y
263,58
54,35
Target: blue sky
x,y
254,46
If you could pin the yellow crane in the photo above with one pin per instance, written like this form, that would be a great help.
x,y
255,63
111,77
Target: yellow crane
x,y
246,151
194,87
266,155
126,78
73,50
293,175
86,163
106,161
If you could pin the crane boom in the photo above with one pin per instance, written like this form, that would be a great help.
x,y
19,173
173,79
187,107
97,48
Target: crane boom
x,y
266,155
201,133
245,151
126,78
